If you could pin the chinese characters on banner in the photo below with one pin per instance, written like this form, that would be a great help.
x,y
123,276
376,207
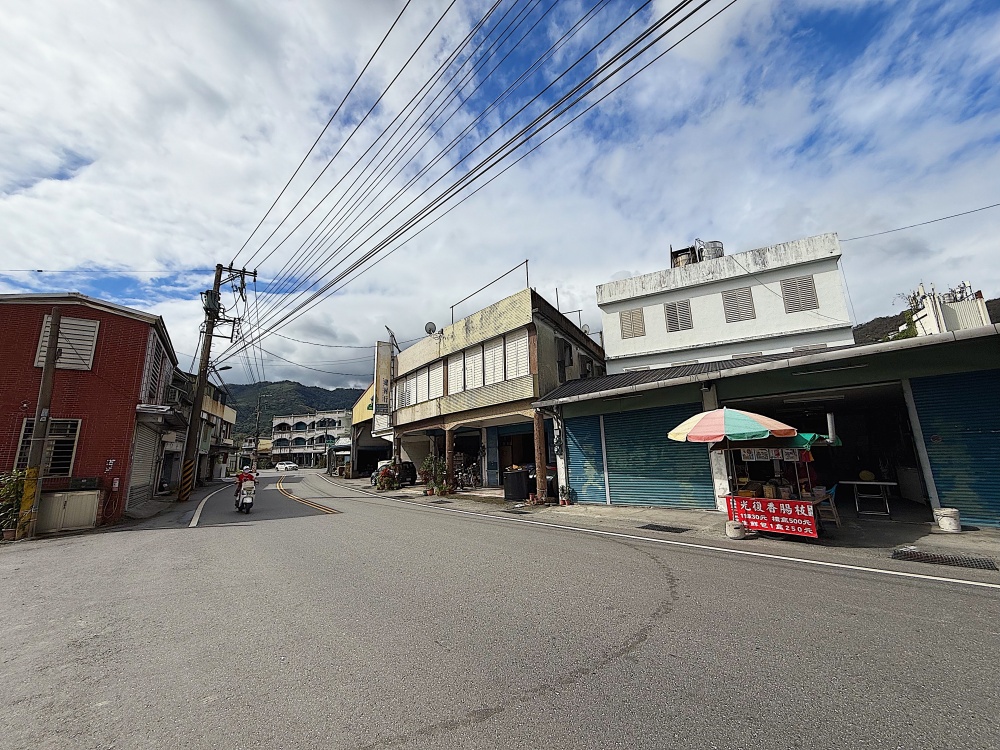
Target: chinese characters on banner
x,y
383,376
779,516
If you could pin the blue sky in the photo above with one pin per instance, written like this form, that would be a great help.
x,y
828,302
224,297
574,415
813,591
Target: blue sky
x,y
151,140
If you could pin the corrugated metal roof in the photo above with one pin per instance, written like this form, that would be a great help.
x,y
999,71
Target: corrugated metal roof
x,y
639,377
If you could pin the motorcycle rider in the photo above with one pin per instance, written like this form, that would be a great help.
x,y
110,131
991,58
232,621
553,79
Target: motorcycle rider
x,y
245,475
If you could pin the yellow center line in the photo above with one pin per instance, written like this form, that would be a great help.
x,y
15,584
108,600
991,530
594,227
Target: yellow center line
x,y
296,498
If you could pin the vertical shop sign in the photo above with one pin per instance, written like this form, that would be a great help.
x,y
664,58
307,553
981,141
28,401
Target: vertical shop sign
x,y
383,376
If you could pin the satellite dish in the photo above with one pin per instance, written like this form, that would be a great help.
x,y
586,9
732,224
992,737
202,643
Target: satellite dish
x,y
586,328
430,328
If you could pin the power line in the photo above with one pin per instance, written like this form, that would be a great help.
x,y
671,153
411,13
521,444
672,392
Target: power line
x,y
320,136
508,148
485,165
922,223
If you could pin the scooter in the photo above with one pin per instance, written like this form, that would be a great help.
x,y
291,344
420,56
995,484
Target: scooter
x,y
245,501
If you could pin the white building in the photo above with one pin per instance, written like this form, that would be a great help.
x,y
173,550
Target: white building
x,y
955,310
305,438
709,306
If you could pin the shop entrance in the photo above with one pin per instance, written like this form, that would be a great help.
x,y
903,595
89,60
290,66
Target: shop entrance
x,y
878,446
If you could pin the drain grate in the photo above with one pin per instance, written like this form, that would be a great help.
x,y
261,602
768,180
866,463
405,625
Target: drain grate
x,y
912,554
668,529
518,512
439,502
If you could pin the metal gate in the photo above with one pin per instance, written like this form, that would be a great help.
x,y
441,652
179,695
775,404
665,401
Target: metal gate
x,y
960,420
585,460
67,511
645,467
140,486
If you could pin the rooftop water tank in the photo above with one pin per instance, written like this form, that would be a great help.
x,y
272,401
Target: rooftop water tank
x,y
713,249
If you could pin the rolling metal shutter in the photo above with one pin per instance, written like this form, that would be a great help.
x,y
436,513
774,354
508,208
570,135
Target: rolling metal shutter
x,y
435,377
456,373
584,460
960,420
493,362
140,485
517,354
647,468
473,368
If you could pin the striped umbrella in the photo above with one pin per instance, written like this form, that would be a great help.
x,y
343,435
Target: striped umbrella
x,y
732,424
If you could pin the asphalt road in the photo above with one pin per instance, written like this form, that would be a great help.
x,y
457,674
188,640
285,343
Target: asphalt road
x,y
387,625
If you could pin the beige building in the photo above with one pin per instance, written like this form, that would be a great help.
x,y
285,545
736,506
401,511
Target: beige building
x,y
466,391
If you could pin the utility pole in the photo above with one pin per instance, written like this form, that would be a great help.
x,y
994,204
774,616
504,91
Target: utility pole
x,y
212,303
256,431
39,432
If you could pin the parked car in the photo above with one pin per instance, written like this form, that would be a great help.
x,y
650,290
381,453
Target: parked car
x,y
407,472
286,466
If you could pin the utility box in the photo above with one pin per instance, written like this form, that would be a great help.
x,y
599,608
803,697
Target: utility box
x,y
515,485
67,511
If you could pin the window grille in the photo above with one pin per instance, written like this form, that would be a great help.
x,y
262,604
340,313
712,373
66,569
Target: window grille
x,y
60,447
632,322
678,315
799,294
738,304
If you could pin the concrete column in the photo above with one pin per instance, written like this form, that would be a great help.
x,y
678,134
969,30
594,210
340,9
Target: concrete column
x,y
541,457
449,456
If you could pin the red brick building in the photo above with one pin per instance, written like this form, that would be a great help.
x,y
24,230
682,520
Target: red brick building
x,y
111,415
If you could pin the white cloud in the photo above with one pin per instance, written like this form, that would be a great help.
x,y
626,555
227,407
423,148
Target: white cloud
x,y
178,123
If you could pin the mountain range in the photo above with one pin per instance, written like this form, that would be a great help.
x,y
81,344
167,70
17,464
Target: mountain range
x,y
283,397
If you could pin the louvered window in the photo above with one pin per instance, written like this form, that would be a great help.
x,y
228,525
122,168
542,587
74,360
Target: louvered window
x,y
77,339
411,387
632,322
59,450
473,368
456,373
493,362
678,315
738,304
799,294
157,371
517,354
435,380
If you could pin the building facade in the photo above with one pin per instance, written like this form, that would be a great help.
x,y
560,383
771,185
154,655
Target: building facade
x,y
305,439
114,409
366,450
709,306
465,392
919,413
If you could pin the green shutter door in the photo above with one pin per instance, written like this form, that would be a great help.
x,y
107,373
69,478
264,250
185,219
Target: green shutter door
x,y
647,468
960,420
584,461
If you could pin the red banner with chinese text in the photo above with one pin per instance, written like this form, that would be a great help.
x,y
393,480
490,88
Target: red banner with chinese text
x,y
777,516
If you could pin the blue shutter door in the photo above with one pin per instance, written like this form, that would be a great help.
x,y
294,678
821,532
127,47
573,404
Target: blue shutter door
x,y
647,468
960,419
584,462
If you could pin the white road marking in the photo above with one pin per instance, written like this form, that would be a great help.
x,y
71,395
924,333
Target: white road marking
x,y
692,545
201,505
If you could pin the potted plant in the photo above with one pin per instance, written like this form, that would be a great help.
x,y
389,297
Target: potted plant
x,y
386,479
11,491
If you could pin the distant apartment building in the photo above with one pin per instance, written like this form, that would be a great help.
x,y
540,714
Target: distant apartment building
x,y
708,306
306,439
